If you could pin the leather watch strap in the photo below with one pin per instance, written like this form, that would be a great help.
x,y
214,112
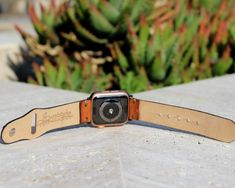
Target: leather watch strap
x,y
41,120
185,119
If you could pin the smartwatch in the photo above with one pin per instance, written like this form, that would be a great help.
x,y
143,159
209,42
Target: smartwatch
x,y
115,108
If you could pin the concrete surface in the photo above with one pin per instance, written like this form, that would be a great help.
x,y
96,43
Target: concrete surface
x,y
127,156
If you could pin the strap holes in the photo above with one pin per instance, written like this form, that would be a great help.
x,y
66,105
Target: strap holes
x,y
12,132
33,124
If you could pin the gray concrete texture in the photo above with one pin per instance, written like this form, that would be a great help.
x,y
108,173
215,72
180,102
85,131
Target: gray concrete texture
x,y
129,156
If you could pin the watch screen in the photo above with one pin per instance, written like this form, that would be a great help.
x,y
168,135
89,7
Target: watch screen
x,y
110,110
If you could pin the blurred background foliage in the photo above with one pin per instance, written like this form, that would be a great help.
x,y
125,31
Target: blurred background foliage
x,y
135,45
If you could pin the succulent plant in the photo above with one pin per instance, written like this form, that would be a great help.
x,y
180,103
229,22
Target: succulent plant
x,y
183,44
136,45
74,40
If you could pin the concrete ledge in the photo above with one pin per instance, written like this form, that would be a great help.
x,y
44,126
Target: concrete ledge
x,y
127,156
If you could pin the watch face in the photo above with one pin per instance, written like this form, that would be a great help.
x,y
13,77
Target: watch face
x,y
109,108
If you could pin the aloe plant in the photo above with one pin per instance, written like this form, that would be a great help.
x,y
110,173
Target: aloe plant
x,y
134,45
74,40
183,44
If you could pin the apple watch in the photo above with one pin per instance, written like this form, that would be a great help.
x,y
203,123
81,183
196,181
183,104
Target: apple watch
x,y
115,108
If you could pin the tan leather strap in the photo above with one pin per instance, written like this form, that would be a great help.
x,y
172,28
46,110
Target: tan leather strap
x,y
38,121
185,119
41,120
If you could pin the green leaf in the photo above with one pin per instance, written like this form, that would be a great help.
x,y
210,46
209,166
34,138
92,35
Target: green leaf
x,y
211,6
174,76
103,82
180,17
153,45
50,74
116,3
171,50
73,38
232,31
143,40
131,82
89,84
61,75
140,7
76,78
49,19
189,74
83,5
222,66
186,59
38,25
157,71
82,31
214,54
99,22
122,60
111,13
133,40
